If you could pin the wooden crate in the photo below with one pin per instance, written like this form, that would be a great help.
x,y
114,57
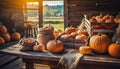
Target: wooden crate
x,y
72,43
105,28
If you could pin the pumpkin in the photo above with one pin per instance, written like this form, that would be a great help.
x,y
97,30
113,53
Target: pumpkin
x,y
99,43
85,50
69,30
82,31
38,47
114,50
6,37
81,37
2,41
115,20
16,36
28,42
100,20
108,21
66,36
93,20
3,29
106,17
55,46
74,34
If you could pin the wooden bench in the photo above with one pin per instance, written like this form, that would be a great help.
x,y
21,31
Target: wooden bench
x,y
87,62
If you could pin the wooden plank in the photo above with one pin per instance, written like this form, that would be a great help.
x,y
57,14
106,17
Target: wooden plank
x,y
16,64
6,59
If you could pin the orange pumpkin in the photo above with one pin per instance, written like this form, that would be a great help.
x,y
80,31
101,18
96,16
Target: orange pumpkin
x,y
69,30
93,20
114,50
108,21
115,20
82,31
55,46
81,37
106,17
74,34
38,47
2,41
6,37
99,43
85,50
3,29
66,36
16,36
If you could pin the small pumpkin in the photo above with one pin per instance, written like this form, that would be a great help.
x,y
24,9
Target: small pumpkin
x,y
93,20
81,37
106,17
55,46
99,43
114,50
66,36
15,36
38,47
3,29
82,31
108,21
85,50
6,37
69,30
2,41
74,34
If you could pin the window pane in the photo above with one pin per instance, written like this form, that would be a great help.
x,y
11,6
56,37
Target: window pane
x,y
32,4
32,15
53,13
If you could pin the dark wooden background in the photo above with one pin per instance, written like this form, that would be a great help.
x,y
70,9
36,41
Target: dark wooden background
x,y
74,11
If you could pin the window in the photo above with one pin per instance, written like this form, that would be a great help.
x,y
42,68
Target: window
x,y
31,12
45,12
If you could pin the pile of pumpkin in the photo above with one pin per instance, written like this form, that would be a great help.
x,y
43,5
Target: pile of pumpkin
x,y
6,37
101,44
75,33
104,19
29,24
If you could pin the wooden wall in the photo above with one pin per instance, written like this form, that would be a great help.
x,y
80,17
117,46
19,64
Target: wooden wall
x,y
76,9
9,10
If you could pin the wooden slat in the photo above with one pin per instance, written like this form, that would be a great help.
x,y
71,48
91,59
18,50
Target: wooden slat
x,y
16,64
7,59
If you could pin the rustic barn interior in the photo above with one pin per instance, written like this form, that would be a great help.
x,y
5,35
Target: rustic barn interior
x,y
12,16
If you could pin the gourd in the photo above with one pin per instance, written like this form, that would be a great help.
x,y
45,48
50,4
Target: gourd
x,y
81,37
85,50
99,43
6,37
69,30
114,50
2,41
3,29
55,46
15,35
38,47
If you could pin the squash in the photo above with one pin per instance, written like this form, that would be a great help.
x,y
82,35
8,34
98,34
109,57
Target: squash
x,y
81,37
114,50
69,30
3,29
93,20
38,47
85,50
55,46
6,37
82,31
2,41
15,36
99,43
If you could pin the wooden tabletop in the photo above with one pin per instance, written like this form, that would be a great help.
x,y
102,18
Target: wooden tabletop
x,y
14,49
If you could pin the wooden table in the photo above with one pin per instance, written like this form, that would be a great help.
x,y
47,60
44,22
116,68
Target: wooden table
x,y
87,62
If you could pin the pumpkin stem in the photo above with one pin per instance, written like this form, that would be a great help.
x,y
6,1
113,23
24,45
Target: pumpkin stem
x,y
14,30
117,42
101,14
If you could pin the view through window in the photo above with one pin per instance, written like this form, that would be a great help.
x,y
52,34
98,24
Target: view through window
x,y
53,13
